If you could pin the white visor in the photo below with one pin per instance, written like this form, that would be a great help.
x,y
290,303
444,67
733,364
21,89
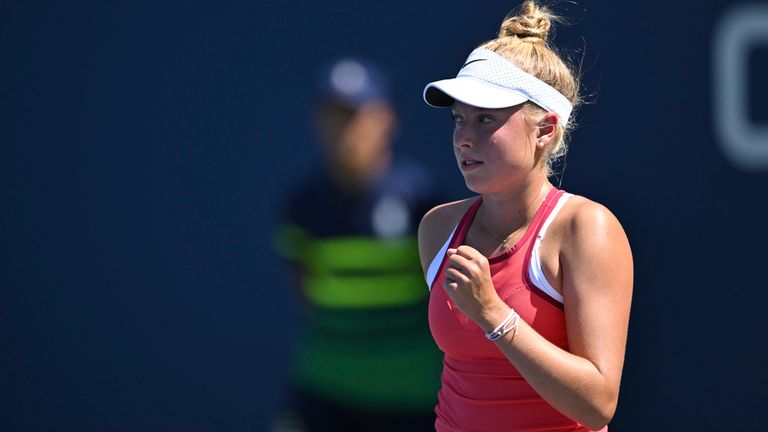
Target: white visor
x,y
488,80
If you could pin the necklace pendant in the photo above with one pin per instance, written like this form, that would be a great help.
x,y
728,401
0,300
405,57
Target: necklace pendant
x,y
504,244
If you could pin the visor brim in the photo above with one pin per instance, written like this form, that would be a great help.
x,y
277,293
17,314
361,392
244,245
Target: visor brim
x,y
471,91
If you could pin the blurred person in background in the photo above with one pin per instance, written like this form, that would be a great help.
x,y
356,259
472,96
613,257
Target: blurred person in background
x,y
364,359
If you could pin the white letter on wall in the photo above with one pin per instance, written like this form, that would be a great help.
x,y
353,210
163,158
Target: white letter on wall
x,y
744,143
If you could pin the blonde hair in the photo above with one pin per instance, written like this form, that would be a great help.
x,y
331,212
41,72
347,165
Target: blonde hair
x,y
524,40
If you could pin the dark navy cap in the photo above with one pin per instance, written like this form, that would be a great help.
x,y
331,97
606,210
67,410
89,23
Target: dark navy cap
x,y
353,82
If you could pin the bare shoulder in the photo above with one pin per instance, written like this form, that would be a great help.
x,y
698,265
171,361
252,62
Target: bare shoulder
x,y
436,225
584,217
591,237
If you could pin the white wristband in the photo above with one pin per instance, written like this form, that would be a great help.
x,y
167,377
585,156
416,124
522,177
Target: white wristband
x,y
502,328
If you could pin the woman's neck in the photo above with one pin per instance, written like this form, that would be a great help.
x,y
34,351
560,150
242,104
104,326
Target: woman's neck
x,y
513,210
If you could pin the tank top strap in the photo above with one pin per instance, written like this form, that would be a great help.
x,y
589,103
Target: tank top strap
x,y
456,239
549,204
548,207
464,223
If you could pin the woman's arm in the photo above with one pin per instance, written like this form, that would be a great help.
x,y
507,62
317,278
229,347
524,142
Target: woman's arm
x,y
597,274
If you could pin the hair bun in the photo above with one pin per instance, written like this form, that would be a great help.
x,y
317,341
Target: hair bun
x,y
531,21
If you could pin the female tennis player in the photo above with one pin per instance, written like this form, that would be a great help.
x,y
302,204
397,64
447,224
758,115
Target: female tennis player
x,y
530,286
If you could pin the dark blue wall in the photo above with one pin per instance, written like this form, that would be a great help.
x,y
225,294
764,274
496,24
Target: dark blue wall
x,y
144,145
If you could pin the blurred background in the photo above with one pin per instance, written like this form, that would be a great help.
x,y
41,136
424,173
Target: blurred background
x,y
144,147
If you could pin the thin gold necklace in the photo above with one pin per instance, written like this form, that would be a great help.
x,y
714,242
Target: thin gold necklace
x,y
505,240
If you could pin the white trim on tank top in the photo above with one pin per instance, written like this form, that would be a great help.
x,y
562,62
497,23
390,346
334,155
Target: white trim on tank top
x,y
534,268
434,266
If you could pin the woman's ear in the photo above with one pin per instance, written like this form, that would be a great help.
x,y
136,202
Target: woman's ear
x,y
546,129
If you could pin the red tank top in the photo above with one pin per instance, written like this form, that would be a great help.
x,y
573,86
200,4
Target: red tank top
x,y
481,390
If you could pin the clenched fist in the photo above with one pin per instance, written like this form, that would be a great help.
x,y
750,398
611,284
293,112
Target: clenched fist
x,y
468,283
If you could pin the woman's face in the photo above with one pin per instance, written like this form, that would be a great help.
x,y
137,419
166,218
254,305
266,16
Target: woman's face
x,y
495,148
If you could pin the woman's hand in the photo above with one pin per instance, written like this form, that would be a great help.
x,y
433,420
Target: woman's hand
x,y
468,283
